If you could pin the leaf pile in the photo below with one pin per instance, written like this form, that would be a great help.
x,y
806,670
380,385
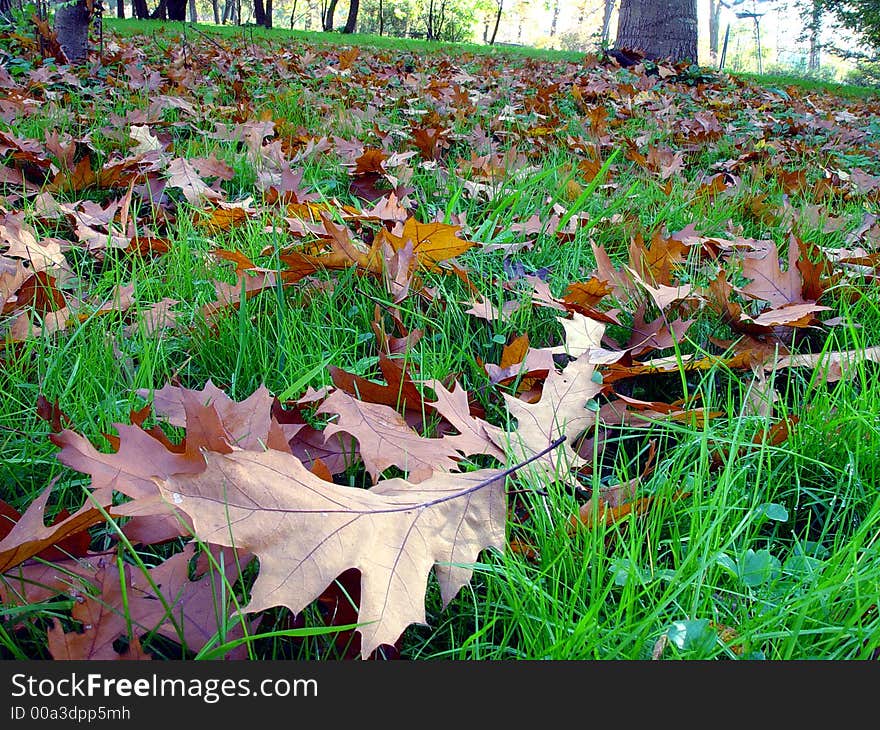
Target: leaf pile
x,y
265,485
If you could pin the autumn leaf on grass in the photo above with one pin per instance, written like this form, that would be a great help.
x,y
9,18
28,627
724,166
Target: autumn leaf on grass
x,y
561,411
142,455
231,295
431,242
343,254
656,262
246,422
583,339
520,360
386,439
661,294
30,535
401,392
307,532
770,283
18,240
37,580
473,436
184,610
831,366
182,174
485,309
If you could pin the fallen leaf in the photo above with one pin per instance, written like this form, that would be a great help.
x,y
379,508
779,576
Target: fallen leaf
x,y
306,532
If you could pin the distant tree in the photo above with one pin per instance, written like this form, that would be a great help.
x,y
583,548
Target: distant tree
x,y
661,29
814,31
351,22
554,6
448,20
263,13
714,27
328,9
861,17
499,11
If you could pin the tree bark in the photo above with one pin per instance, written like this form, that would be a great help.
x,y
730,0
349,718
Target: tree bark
x,y
269,13
120,8
555,18
139,9
259,12
327,20
351,20
193,12
497,22
661,29
161,11
176,9
215,6
72,27
714,29
814,60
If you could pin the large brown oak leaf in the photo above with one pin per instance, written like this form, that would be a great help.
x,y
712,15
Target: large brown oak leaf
x,y
306,532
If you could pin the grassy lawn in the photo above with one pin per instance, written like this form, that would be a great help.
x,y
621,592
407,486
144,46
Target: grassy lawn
x,y
731,513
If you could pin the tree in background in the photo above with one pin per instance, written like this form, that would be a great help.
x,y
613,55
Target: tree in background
x,y
328,8
660,29
499,10
263,13
447,20
607,10
714,27
862,17
351,21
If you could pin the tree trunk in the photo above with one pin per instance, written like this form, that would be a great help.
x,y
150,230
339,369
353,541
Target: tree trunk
x,y
661,29
161,11
607,10
139,9
215,6
327,20
555,18
120,8
259,12
176,9
815,30
269,13
193,12
497,22
714,27
381,18
5,8
72,27
351,21
227,11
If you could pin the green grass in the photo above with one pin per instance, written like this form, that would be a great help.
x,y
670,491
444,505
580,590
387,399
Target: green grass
x,y
747,550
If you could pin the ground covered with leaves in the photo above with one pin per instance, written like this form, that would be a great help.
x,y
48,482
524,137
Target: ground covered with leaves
x,y
315,350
